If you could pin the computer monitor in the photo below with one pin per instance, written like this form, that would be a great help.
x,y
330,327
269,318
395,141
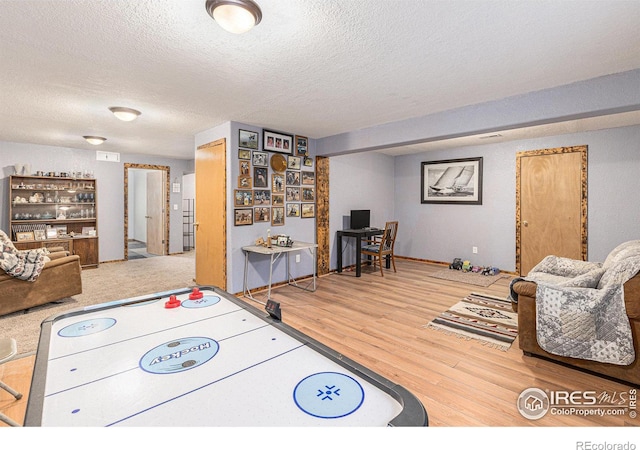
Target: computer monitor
x,y
360,218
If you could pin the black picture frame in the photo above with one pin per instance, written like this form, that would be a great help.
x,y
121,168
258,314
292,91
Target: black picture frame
x,y
273,141
452,181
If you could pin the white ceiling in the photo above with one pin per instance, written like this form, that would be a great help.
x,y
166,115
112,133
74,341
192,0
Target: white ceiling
x,y
311,67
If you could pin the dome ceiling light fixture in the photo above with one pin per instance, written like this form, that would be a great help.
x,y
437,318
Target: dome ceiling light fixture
x,y
126,114
94,140
235,16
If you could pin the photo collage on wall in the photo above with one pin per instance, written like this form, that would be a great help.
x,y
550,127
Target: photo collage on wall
x,y
275,182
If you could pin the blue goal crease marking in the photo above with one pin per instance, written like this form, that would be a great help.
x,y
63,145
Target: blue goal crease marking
x,y
147,334
138,366
184,394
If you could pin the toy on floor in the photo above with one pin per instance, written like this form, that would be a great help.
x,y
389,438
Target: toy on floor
x,y
466,266
490,271
456,264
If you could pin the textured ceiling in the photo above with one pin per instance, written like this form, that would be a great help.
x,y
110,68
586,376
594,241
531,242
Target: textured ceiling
x,y
315,68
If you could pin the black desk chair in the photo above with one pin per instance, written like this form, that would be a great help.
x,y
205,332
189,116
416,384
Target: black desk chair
x,y
382,246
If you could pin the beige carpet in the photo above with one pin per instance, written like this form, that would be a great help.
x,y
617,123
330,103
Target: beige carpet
x,y
477,279
110,281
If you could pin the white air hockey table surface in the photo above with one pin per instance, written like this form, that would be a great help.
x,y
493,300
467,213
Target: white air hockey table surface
x,y
205,359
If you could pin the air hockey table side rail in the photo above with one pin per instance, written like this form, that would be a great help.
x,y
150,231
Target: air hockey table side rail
x,y
413,412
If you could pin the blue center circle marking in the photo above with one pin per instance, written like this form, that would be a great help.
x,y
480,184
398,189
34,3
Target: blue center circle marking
x,y
179,355
207,300
87,327
328,395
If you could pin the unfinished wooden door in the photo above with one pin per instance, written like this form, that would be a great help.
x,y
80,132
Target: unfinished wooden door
x,y
211,214
155,212
551,205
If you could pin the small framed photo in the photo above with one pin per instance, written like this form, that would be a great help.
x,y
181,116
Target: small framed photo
x,y
293,178
52,233
293,209
308,210
293,194
293,162
277,216
261,197
277,200
24,236
308,177
248,139
244,182
302,146
243,197
262,214
39,235
260,175
260,159
277,183
244,154
244,167
273,141
308,194
243,216
308,162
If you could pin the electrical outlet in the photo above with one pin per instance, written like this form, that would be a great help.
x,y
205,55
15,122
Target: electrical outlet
x,y
475,249
297,258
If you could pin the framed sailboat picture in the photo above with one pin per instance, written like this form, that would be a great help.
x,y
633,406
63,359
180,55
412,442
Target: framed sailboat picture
x,y
453,181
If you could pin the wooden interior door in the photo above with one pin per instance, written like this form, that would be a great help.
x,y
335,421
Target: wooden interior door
x,y
551,209
155,212
211,215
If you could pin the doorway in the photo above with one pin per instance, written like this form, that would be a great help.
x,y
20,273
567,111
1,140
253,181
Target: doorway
x,y
146,211
551,205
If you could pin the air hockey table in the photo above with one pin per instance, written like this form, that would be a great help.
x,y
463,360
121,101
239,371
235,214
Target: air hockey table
x,y
201,357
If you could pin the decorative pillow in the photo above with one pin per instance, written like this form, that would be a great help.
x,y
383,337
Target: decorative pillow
x,y
620,252
564,267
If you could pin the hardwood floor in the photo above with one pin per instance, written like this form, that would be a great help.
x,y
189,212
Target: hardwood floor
x,y
379,322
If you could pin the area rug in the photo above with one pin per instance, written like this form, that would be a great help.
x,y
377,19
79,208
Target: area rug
x,y
477,279
482,317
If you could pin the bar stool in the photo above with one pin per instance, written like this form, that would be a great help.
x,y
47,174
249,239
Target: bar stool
x,y
8,350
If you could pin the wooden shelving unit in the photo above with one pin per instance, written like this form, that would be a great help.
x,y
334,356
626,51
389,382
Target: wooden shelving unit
x,y
55,212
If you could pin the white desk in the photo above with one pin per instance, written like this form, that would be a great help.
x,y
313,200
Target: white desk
x,y
275,252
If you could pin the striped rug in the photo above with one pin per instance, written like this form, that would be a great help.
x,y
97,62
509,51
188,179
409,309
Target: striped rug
x,y
481,317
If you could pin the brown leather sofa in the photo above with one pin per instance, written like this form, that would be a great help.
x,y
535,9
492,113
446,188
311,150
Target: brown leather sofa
x,y
60,278
527,331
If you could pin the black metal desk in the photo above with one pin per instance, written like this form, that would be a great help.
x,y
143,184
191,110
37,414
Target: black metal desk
x,y
358,234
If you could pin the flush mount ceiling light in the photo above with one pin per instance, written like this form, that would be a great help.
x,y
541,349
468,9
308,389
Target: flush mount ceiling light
x,y
94,140
126,114
235,16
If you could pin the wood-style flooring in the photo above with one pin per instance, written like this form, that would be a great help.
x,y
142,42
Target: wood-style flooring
x,y
379,322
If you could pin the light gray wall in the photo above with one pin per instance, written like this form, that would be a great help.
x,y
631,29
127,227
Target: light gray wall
x,y
110,184
443,232
362,181
238,236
